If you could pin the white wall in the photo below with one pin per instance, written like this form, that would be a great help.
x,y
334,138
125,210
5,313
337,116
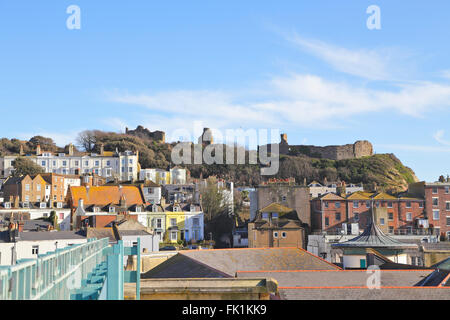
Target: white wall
x,y
64,223
149,242
24,248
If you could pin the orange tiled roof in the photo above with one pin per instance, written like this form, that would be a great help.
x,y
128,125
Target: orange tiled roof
x,y
104,195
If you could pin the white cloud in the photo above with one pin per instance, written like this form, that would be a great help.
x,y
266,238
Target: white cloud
x,y
439,135
368,64
298,100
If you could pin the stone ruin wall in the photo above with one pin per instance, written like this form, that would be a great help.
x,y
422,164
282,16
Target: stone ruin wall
x,y
349,151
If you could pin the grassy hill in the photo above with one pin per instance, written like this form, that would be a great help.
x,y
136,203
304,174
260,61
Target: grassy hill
x,y
383,170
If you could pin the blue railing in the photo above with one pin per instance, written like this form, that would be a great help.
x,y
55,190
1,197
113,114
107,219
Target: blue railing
x,y
92,270
52,276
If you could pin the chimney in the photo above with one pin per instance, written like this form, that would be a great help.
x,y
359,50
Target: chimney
x,y
284,137
163,202
21,150
70,149
80,204
38,150
102,149
20,226
16,202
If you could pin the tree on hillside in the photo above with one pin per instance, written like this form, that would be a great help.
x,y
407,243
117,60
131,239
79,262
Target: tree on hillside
x,y
87,140
212,199
47,144
24,166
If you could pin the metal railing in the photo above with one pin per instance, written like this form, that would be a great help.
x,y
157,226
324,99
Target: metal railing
x,y
417,232
52,276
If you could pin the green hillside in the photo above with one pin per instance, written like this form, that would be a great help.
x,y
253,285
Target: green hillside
x,y
382,170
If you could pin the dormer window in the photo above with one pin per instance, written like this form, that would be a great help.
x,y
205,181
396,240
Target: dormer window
x,y
96,209
154,208
274,215
59,205
25,204
7,205
138,209
111,210
265,216
43,205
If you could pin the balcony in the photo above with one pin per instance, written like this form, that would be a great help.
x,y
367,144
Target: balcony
x,y
415,232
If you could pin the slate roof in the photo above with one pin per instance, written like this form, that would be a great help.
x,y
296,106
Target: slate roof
x,y
340,278
351,285
101,233
134,233
45,235
226,262
413,294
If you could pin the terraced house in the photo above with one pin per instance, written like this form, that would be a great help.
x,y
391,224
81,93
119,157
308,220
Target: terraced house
x,y
96,207
437,208
185,222
121,165
395,215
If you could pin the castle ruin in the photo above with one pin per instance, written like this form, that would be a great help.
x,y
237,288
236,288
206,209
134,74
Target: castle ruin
x,y
358,149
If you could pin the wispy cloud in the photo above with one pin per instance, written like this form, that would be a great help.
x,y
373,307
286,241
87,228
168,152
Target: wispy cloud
x,y
439,137
297,99
365,63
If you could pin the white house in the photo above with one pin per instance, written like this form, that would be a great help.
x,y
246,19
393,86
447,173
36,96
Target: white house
x,y
122,165
152,192
28,245
194,224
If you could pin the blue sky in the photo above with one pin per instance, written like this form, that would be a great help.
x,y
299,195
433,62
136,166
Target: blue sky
x,y
311,69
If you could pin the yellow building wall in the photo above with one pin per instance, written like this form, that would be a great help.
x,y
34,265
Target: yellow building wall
x,y
180,216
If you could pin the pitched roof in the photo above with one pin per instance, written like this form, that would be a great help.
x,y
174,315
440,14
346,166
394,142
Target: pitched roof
x,y
276,207
49,235
383,196
227,262
105,195
330,196
101,233
360,195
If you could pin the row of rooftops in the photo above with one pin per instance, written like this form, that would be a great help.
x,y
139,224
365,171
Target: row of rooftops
x,y
72,153
362,195
147,207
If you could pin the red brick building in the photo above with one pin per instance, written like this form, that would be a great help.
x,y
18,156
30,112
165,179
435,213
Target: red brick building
x,y
329,211
437,204
402,215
